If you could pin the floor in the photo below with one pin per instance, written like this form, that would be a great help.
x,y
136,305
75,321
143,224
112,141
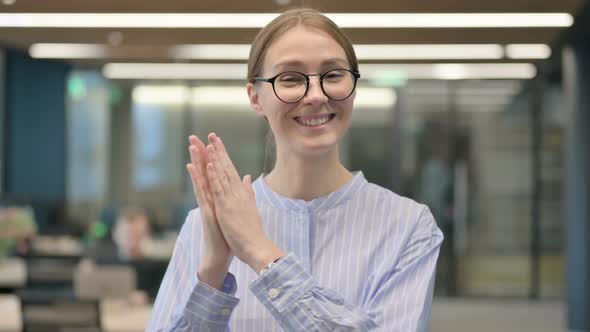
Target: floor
x,y
458,315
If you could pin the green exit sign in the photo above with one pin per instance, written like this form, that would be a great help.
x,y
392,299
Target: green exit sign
x,y
390,78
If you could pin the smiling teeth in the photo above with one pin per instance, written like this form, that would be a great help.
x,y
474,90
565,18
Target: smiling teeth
x,y
314,122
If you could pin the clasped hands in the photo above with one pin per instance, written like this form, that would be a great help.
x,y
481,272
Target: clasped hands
x,y
231,222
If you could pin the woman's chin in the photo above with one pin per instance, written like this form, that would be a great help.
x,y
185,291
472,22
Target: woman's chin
x,y
316,148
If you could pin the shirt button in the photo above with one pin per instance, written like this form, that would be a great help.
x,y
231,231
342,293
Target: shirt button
x,y
273,293
225,312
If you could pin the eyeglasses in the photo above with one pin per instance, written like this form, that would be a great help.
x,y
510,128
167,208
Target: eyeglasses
x,y
291,86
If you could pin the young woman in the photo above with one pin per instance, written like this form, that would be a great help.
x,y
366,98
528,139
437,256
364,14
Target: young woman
x,y
310,246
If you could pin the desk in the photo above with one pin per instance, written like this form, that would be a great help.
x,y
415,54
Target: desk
x,y
121,316
10,312
62,245
13,272
56,308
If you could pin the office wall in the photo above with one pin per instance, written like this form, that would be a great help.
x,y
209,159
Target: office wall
x,y
35,133
2,114
36,151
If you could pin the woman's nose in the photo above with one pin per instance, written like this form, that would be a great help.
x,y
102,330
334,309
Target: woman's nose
x,y
315,94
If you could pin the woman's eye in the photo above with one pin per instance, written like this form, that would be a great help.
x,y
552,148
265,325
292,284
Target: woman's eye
x,y
333,75
291,79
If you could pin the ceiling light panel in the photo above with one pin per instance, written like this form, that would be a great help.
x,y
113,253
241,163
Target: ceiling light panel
x,y
258,20
451,71
68,51
211,71
364,52
212,51
429,52
528,51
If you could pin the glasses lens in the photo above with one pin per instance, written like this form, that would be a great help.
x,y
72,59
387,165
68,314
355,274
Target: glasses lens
x,y
338,84
290,86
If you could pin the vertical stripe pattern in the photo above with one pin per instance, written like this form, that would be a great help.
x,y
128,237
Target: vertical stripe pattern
x,y
361,258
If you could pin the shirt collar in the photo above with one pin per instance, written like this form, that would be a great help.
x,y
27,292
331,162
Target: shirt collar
x,y
344,193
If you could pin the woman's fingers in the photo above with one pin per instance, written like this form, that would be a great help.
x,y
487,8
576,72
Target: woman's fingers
x,y
196,190
198,180
198,154
195,158
224,159
213,170
194,140
203,160
215,185
247,182
227,162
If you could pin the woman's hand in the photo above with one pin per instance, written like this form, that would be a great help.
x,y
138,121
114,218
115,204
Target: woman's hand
x,y
235,207
217,257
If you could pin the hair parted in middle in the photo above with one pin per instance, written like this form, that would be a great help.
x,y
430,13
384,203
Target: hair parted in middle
x,y
288,20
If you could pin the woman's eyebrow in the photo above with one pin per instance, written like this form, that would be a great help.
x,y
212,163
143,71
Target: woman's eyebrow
x,y
288,63
298,63
335,61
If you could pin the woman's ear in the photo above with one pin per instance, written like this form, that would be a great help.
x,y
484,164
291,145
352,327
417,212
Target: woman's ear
x,y
254,100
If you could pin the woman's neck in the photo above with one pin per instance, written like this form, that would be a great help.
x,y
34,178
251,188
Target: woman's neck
x,y
307,177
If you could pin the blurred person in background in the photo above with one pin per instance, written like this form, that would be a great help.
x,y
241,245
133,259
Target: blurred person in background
x,y
17,227
435,190
318,247
131,232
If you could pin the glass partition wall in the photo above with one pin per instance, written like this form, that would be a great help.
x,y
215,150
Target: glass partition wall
x,y
2,118
465,148
470,155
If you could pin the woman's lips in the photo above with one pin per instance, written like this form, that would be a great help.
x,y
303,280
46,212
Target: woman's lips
x,y
314,121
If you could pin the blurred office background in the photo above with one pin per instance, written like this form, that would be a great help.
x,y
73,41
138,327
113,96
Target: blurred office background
x,y
484,118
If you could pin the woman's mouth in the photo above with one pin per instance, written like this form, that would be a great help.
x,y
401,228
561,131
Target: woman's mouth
x,y
315,121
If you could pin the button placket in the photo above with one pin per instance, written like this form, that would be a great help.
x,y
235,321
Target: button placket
x,y
309,234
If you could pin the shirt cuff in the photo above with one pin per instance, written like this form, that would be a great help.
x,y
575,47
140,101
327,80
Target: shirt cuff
x,y
208,303
283,284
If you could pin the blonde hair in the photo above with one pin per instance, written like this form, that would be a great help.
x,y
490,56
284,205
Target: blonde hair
x,y
286,21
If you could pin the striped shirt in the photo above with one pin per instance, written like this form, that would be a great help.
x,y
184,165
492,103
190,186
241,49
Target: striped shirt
x,y
359,259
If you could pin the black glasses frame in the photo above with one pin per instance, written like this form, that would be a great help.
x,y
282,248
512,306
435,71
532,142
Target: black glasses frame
x,y
271,80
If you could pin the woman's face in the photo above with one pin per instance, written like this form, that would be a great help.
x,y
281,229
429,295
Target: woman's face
x,y
300,127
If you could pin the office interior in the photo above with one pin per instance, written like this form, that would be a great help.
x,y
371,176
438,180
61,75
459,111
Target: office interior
x,y
483,118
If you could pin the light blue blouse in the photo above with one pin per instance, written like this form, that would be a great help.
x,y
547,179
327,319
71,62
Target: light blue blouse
x,y
359,259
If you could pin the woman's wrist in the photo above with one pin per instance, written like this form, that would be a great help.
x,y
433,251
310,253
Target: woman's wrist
x,y
213,273
262,258
269,266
